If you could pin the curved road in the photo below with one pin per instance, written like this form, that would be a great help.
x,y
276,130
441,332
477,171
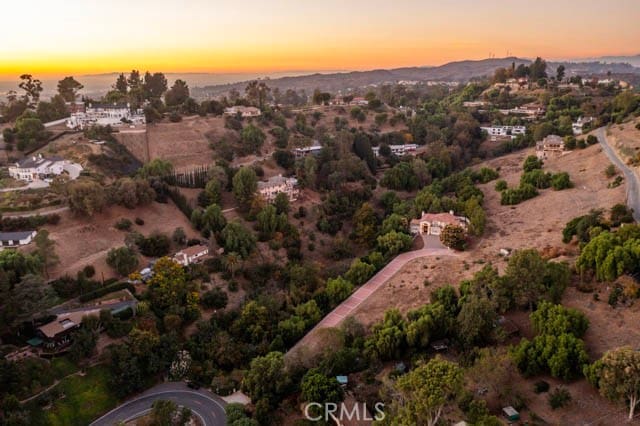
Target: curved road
x,y
632,180
203,404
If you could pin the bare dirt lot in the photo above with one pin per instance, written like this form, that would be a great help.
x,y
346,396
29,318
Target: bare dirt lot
x,y
86,241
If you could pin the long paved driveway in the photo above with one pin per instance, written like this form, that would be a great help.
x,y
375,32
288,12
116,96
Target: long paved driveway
x,y
633,183
431,248
208,407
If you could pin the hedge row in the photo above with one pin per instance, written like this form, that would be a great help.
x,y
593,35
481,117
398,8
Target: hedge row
x,y
106,290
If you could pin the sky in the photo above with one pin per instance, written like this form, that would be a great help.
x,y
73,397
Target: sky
x,y
52,38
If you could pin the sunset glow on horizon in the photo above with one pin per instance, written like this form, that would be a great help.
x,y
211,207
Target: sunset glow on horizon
x,y
76,37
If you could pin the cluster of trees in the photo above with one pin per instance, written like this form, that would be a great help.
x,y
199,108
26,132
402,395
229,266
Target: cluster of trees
x,y
532,179
610,254
558,348
87,197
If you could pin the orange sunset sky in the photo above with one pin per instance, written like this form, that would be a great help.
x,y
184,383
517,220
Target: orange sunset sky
x,y
61,37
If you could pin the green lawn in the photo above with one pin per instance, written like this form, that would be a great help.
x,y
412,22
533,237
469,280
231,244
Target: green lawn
x,y
86,398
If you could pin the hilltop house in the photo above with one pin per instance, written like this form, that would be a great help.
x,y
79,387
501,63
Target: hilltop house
x,y
500,131
552,145
190,255
113,115
244,111
434,223
398,150
277,184
41,168
314,149
16,239
359,101
579,124
530,111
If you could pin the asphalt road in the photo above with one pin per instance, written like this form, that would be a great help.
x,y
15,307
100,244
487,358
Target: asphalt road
x,y
203,404
632,180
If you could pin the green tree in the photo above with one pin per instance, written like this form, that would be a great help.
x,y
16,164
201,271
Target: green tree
x,y
563,356
267,378
526,271
617,376
388,337
168,285
123,260
68,88
86,197
213,219
253,138
236,238
178,94
45,250
245,184
359,272
338,289
476,321
561,181
532,163
167,413
453,236
317,387
257,92
155,85
268,221
560,72
365,221
281,203
556,319
29,130
392,243
423,393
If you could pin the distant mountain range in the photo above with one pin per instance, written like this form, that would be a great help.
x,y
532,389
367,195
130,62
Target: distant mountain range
x,y
453,71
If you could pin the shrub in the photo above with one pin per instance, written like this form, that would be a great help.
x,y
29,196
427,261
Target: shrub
x,y
139,221
541,386
89,271
559,397
581,144
592,140
123,224
215,299
106,290
517,195
501,185
531,163
610,171
561,181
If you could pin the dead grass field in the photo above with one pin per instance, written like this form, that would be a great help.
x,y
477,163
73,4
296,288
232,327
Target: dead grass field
x,y
625,138
86,241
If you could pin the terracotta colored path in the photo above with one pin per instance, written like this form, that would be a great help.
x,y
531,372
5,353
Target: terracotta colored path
x,y
349,306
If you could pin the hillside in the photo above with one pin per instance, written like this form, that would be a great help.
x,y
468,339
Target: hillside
x,y
452,71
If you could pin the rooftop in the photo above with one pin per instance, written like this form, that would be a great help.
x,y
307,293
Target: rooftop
x,y
18,235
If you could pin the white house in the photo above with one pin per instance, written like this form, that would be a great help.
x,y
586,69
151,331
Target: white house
x,y
113,115
42,168
579,124
314,149
244,111
16,239
276,185
501,131
551,145
398,150
359,101
190,255
434,223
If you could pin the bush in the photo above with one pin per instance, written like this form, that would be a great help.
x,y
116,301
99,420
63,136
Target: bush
x,y
106,290
561,181
123,259
501,185
592,140
541,386
139,221
559,397
531,163
517,195
89,271
155,245
610,171
215,299
581,144
123,224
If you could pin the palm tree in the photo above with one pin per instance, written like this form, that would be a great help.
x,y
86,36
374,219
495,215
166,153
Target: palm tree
x,y
232,261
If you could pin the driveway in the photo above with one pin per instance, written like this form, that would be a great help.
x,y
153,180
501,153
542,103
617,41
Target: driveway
x,y
632,181
432,247
208,407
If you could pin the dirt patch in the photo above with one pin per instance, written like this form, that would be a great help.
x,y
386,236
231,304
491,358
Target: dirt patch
x,y
86,241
